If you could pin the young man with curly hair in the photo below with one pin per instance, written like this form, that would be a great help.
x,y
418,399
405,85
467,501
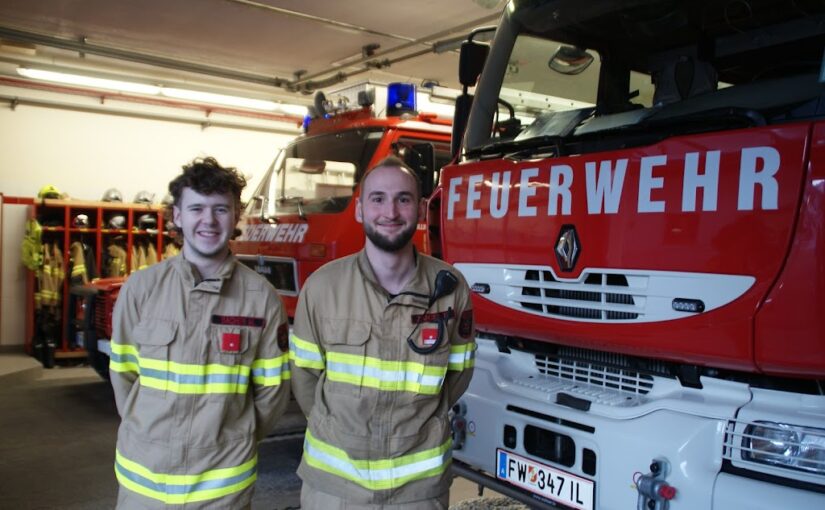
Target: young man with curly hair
x,y
199,365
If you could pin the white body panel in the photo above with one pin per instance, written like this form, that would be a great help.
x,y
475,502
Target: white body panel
x,y
685,426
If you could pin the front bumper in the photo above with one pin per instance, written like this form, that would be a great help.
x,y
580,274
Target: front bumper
x,y
618,435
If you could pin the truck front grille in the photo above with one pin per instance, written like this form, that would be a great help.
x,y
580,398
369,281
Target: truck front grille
x,y
603,295
597,373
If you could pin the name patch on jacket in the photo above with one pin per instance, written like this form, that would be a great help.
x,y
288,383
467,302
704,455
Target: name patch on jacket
x,y
238,320
433,317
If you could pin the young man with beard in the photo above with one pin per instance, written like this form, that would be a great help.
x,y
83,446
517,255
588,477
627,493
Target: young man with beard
x,y
382,348
199,365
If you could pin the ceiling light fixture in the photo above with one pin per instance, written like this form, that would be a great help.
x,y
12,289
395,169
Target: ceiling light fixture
x,y
88,81
209,97
155,90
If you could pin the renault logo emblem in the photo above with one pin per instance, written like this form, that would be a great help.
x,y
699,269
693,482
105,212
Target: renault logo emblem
x,y
567,248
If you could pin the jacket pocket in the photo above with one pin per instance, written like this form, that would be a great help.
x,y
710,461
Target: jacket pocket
x,y
347,370
231,350
154,338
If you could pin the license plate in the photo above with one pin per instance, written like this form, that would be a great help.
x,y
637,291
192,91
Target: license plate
x,y
551,483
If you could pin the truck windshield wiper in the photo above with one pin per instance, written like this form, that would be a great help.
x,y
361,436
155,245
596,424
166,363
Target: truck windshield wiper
x,y
699,121
516,147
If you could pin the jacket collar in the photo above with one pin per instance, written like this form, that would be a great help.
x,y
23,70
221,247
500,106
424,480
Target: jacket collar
x,y
416,290
192,277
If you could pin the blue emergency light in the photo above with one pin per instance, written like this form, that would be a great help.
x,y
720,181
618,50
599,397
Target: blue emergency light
x,y
400,98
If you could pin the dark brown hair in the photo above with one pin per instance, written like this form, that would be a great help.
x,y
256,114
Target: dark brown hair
x,y
206,176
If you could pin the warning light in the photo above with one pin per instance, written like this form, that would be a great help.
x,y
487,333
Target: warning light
x,y
400,98
688,305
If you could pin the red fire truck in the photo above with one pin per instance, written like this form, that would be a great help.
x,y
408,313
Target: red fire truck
x,y
302,215
647,256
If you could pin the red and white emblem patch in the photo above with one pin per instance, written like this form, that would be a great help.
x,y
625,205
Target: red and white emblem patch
x,y
429,336
231,342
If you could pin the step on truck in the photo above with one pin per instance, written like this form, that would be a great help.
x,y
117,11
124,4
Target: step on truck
x,y
302,215
647,256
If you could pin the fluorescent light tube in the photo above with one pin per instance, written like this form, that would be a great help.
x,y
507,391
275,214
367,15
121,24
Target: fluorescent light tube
x,y
209,97
87,81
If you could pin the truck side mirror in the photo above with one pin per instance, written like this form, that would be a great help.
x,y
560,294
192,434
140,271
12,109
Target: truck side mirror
x,y
460,117
471,62
421,158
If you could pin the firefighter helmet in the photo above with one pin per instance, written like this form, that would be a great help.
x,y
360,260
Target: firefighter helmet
x,y
168,200
144,197
81,221
48,191
147,222
112,195
117,222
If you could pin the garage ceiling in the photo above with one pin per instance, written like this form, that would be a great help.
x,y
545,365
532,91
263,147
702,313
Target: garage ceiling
x,y
274,48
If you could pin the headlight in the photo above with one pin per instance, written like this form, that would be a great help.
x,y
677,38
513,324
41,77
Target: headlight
x,y
789,446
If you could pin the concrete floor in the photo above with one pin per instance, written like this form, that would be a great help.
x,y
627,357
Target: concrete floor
x,y
57,437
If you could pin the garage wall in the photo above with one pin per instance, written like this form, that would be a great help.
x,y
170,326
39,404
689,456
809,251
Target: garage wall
x,y
84,153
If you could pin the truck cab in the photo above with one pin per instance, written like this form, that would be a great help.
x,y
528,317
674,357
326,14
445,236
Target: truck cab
x,y
302,215
646,255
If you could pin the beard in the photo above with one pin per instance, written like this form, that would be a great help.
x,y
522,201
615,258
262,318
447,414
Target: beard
x,y
386,244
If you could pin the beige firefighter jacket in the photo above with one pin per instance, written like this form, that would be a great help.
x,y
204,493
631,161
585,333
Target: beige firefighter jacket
x,y
378,429
200,373
50,278
116,265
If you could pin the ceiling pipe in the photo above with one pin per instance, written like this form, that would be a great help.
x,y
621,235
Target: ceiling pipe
x,y
16,101
313,85
154,101
304,84
424,40
319,19
82,46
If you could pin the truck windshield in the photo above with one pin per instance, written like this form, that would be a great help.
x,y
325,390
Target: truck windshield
x,y
315,174
612,74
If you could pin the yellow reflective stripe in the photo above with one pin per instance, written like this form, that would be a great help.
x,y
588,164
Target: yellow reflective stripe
x,y
270,372
462,356
384,375
78,269
124,358
193,379
118,348
180,489
181,378
305,354
377,474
